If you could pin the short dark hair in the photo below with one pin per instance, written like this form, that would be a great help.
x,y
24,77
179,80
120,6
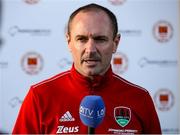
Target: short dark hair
x,y
95,7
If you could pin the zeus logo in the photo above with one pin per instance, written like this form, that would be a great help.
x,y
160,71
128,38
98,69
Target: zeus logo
x,y
63,129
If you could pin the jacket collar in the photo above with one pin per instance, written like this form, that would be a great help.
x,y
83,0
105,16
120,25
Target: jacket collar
x,y
98,81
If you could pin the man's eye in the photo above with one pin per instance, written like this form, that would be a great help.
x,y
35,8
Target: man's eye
x,y
100,40
82,39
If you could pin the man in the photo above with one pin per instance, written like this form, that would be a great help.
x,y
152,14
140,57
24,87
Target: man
x,y
52,106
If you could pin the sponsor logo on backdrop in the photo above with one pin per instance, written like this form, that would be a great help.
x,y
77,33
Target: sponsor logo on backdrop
x,y
144,62
65,63
3,64
130,32
32,63
170,130
1,43
117,2
16,30
163,31
15,101
31,2
119,63
164,99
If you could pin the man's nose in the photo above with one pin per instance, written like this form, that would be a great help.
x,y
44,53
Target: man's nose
x,y
91,46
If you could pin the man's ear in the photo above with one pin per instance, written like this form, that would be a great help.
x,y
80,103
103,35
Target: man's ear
x,y
67,38
68,41
116,42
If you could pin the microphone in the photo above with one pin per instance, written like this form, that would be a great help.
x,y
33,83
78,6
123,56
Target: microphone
x,y
92,112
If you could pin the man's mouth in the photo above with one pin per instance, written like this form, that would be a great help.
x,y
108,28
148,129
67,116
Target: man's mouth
x,y
91,62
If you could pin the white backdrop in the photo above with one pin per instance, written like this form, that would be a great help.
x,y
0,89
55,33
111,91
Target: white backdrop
x,y
34,49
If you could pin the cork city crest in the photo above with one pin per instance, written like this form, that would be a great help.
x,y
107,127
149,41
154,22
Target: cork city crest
x,y
122,115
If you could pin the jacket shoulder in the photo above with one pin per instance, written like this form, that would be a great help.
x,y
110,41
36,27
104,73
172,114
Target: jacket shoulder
x,y
128,84
52,79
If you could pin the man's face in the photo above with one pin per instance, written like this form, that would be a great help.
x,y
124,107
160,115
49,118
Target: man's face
x,y
91,43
